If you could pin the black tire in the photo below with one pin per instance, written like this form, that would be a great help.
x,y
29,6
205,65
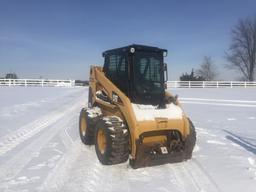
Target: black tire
x,y
117,141
90,97
190,141
86,133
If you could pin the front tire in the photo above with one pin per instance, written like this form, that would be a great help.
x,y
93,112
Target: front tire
x,y
111,141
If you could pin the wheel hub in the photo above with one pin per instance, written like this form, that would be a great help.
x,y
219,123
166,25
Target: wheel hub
x,y
83,126
101,140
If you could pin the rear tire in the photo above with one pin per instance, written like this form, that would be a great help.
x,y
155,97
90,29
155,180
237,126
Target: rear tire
x,y
190,141
115,150
87,121
86,128
90,97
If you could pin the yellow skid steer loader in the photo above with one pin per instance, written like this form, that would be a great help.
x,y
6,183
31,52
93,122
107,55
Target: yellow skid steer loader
x,y
129,113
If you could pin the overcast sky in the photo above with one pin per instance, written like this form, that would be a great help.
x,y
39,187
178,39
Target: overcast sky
x,y
60,39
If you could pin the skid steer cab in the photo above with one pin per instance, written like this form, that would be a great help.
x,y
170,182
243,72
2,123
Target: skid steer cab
x,y
130,115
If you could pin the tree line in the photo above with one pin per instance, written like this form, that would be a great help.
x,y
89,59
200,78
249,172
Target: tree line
x,y
241,55
10,76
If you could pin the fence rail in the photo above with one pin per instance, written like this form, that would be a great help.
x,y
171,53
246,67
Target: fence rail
x,y
210,84
170,84
37,82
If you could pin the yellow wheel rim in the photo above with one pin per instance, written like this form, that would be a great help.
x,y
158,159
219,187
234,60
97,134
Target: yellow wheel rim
x,y
101,140
83,126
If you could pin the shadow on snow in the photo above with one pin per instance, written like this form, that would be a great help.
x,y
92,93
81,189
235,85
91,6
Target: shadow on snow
x,y
242,141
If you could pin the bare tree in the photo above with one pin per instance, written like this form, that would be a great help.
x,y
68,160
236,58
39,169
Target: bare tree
x,y
191,77
242,51
207,69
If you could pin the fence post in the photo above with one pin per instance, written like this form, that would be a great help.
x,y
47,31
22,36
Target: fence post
x,y
25,82
231,84
217,84
9,82
42,82
73,83
189,85
203,85
245,84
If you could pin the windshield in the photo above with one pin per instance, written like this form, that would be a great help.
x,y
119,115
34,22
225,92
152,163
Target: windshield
x,y
148,75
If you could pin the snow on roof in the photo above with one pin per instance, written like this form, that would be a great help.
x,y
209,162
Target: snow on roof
x,y
150,112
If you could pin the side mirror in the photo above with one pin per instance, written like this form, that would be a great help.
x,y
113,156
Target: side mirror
x,y
165,66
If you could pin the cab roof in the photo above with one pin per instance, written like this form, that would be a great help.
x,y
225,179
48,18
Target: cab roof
x,y
136,47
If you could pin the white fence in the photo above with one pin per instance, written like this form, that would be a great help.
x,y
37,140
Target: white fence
x,y
210,84
170,84
37,82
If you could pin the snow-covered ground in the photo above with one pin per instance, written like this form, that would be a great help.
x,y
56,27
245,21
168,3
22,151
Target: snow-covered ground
x,y
40,149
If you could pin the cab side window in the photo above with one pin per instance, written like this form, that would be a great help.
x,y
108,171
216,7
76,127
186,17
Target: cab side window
x,y
116,69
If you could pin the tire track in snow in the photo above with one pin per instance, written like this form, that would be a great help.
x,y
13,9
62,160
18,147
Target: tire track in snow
x,y
57,178
191,176
192,173
17,137
200,177
81,171
211,180
178,181
13,166
14,139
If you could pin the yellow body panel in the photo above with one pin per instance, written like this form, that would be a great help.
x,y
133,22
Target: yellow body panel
x,y
124,110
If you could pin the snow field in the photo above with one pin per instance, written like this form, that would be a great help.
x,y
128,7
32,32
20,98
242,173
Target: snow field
x,y
40,149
